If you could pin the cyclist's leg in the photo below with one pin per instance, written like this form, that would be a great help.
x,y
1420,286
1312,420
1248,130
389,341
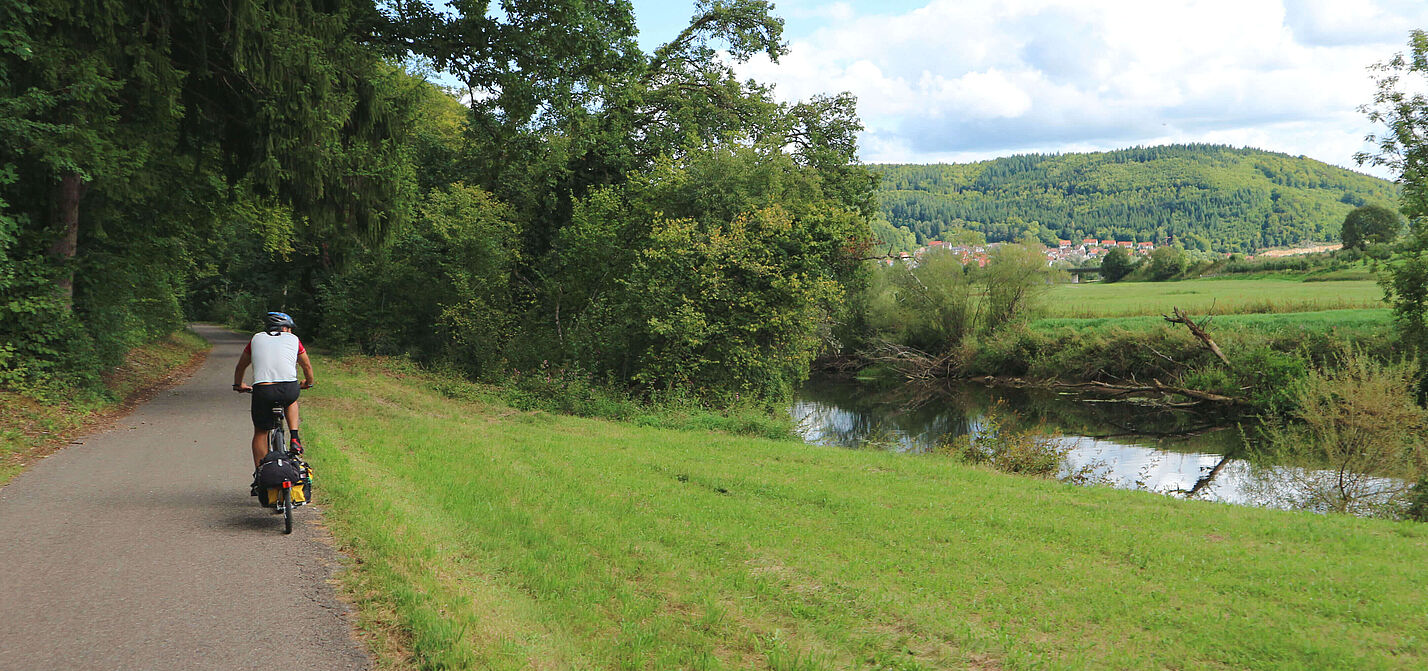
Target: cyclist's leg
x,y
260,446
290,393
292,413
262,414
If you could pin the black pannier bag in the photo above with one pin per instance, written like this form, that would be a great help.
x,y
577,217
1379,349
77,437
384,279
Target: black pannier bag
x,y
277,468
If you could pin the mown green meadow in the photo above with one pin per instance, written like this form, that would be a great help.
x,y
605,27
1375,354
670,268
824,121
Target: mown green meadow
x,y
487,537
1214,295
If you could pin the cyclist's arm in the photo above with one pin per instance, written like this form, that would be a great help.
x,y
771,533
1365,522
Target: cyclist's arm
x,y
243,361
306,369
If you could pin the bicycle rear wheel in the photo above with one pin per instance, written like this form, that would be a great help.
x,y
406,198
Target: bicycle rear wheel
x,y
287,504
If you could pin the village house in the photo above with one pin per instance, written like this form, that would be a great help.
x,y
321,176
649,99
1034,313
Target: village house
x,y
1064,251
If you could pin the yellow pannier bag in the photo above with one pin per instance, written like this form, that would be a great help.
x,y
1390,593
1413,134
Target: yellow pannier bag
x,y
275,494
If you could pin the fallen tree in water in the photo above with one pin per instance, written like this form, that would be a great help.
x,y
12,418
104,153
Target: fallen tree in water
x,y
1197,330
1136,392
915,365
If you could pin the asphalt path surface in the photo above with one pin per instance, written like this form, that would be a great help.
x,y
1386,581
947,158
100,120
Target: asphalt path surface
x,y
139,548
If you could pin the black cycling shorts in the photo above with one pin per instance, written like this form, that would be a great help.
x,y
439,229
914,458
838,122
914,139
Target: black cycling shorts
x,y
268,396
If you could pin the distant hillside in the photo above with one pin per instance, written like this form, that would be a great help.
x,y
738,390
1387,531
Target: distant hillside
x,y
1205,196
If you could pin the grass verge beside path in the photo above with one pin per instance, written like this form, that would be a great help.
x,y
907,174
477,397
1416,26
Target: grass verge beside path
x,y
31,427
489,538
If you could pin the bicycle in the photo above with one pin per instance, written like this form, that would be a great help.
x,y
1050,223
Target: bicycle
x,y
284,479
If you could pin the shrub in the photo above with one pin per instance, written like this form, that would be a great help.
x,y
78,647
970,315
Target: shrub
x,y
1418,502
1356,444
1022,452
1270,377
566,390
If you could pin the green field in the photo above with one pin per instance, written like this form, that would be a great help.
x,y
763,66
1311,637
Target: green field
x,y
1210,296
484,537
1345,321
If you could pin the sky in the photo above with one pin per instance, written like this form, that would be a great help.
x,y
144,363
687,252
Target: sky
x,y
965,80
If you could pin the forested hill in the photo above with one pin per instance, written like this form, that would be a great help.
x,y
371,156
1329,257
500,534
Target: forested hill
x,y
1206,196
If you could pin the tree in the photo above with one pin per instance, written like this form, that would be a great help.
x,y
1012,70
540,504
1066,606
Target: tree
x,y
720,273
1016,278
129,132
962,237
1370,224
1404,150
1166,263
1116,265
931,306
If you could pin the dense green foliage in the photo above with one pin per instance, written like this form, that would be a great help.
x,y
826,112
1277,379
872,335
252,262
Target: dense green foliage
x,y
1116,265
1370,224
675,231
1165,263
1205,197
940,303
647,219
1403,108
136,140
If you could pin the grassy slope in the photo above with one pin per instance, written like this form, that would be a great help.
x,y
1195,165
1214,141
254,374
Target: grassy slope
x,y
490,538
29,426
1222,296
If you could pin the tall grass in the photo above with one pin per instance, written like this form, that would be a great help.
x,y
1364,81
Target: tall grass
x,y
487,537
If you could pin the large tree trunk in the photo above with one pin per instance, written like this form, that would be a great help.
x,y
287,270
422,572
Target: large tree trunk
x,y
62,252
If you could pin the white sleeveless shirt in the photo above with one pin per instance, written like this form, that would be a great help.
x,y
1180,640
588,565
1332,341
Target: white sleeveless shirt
x,y
274,357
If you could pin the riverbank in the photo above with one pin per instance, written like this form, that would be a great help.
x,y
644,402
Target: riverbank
x,y
32,427
1145,357
487,537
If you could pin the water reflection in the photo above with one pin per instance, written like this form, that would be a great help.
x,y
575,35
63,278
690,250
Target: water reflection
x,y
1127,446
1171,452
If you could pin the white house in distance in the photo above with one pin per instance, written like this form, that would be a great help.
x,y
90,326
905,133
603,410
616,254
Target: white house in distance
x,y
1065,250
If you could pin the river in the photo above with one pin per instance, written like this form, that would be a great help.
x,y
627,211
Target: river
x,y
1175,453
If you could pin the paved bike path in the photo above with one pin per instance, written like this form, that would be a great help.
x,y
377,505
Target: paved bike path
x,y
140,548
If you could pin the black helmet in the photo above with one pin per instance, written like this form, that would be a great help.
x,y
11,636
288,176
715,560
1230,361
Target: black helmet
x,y
277,320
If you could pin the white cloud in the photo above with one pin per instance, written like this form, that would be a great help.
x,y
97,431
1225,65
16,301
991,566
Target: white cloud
x,y
1337,23
980,78
983,95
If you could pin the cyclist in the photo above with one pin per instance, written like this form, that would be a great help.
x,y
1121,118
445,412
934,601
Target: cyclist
x,y
275,353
